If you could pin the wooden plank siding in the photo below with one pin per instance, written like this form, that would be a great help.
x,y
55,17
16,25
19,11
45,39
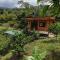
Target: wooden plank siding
x,y
37,20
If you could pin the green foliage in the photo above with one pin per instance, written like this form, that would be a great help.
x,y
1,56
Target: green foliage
x,y
6,16
22,22
55,28
4,44
38,55
53,10
40,49
3,28
34,35
56,2
43,11
38,1
7,56
19,41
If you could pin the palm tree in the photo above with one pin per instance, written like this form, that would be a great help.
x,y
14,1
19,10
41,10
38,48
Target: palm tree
x,y
54,9
38,11
55,2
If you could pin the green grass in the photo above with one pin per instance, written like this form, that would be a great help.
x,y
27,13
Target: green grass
x,y
39,49
7,56
2,28
43,45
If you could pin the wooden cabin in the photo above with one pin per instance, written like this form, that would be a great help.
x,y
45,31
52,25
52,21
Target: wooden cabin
x,y
39,24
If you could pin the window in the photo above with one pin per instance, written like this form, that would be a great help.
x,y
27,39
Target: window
x,y
42,24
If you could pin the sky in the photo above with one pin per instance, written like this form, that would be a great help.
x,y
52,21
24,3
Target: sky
x,y
13,3
8,3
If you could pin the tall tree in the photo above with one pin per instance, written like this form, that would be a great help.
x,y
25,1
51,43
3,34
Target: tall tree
x,y
55,8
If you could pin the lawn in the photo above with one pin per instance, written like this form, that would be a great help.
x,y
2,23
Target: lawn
x,y
2,28
7,56
48,45
43,46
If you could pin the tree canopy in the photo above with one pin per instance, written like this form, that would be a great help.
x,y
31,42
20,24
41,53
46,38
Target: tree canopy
x,y
54,10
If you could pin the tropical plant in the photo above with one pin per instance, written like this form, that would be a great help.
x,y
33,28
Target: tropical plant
x,y
18,41
4,44
55,2
53,9
37,54
55,28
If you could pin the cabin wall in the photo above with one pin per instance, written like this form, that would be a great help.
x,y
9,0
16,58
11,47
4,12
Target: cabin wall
x,y
38,21
43,28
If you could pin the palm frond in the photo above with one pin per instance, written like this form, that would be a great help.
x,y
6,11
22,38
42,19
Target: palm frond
x,y
56,2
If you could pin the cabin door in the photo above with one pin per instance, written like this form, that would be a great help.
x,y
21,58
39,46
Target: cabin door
x,y
34,25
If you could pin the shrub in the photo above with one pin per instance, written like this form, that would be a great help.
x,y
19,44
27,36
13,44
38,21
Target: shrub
x,y
55,28
38,54
4,44
18,42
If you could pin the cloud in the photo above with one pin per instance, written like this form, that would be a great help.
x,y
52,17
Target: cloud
x,y
8,3
13,3
33,2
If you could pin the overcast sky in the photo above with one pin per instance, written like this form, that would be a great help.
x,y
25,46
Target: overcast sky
x,y
13,3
